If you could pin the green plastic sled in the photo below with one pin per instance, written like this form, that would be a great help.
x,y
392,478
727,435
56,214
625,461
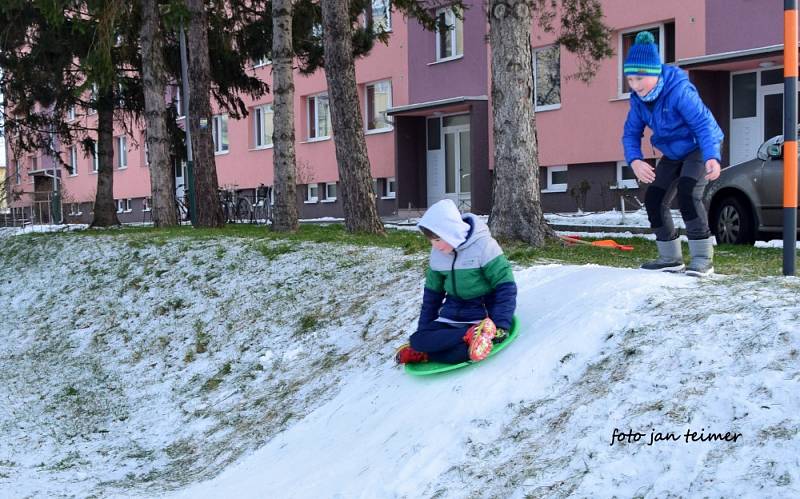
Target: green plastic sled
x,y
426,368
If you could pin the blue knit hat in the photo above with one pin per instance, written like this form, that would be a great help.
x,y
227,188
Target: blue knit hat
x,y
643,58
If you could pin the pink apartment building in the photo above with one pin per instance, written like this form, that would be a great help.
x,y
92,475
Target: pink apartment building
x,y
427,105
731,49
243,147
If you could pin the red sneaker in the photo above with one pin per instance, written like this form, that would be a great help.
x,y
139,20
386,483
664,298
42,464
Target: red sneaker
x,y
407,355
479,338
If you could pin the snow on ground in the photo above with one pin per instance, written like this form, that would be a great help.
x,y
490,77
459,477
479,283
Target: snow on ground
x,y
611,218
243,368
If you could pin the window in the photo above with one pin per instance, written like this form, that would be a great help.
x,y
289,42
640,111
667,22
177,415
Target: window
x,y
146,204
319,120
123,205
17,174
93,99
665,32
73,160
178,101
626,179
547,78
380,15
95,159
312,193
146,152
219,131
316,31
330,192
122,152
379,100
389,188
449,35
71,114
556,179
262,123
75,209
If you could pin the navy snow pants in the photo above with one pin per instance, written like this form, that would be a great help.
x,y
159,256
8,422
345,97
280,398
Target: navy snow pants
x,y
442,342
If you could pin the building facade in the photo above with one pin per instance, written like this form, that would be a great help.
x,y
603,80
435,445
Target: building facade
x,y
426,102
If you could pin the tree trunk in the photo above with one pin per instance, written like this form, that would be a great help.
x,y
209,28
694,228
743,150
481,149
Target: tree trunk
x,y
163,210
360,211
105,210
283,153
209,211
516,204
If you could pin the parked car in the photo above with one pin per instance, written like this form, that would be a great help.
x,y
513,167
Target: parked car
x,y
746,202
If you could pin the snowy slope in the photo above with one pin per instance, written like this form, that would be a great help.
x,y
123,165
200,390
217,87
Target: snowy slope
x,y
239,368
595,353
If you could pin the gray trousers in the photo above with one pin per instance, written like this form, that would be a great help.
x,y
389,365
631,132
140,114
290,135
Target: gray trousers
x,y
686,179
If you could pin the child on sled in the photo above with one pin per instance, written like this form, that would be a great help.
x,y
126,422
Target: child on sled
x,y
470,294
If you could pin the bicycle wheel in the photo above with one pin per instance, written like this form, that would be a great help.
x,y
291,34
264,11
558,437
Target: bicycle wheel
x,y
244,211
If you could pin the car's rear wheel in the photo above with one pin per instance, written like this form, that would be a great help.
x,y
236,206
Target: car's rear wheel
x,y
732,222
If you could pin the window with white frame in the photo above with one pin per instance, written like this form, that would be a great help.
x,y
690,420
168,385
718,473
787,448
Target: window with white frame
x,y
389,188
312,193
95,159
547,78
378,100
73,160
381,16
626,179
121,143
556,179
75,209
661,32
123,205
263,126
71,114
449,34
146,204
319,119
330,192
219,131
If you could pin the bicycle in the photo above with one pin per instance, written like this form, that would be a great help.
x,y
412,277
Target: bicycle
x,y
235,208
262,208
181,207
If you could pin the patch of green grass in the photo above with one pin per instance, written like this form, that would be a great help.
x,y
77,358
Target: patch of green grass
x,y
201,339
728,259
171,305
271,252
307,323
216,380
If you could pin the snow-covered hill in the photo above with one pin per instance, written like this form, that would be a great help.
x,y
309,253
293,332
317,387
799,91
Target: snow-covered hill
x,y
223,367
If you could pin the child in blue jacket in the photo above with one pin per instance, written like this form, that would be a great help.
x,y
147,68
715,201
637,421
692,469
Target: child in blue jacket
x,y
688,136
470,294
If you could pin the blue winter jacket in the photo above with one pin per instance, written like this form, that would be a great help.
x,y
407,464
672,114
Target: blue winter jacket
x,y
678,118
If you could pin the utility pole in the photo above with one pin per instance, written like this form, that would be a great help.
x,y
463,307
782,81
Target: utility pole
x,y
789,136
